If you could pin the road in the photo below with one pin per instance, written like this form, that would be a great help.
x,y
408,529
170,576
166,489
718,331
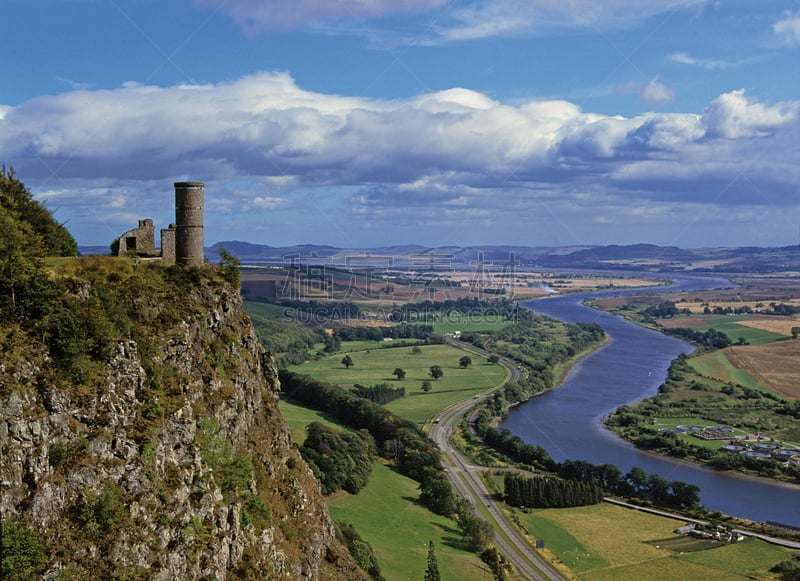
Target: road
x,y
467,482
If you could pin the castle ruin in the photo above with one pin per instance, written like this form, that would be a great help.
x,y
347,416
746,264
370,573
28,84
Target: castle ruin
x,y
181,242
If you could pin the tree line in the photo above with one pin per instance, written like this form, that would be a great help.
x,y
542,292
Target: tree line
x,y
649,488
380,394
549,492
398,440
710,339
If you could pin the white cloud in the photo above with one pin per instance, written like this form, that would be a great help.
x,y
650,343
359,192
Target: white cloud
x,y
262,144
656,92
257,15
734,116
491,18
445,21
270,202
709,64
788,29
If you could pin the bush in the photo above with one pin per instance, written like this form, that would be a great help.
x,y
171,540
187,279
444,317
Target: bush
x,y
24,552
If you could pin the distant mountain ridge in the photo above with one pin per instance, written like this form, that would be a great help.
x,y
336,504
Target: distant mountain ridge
x,y
622,257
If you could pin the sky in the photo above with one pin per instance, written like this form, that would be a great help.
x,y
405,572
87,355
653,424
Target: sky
x,y
366,123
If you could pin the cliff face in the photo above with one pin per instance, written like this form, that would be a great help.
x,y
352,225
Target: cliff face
x,y
173,462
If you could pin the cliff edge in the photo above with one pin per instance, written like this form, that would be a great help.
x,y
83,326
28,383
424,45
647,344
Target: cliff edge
x,y
140,436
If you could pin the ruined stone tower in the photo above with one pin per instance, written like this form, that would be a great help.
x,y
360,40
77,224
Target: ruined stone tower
x,y
189,222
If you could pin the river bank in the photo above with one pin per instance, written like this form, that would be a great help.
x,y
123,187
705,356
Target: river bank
x,y
628,369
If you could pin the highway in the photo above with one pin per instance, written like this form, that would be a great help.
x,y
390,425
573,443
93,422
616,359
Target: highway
x,y
467,482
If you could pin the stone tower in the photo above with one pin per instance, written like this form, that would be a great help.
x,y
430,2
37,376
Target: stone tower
x,y
189,223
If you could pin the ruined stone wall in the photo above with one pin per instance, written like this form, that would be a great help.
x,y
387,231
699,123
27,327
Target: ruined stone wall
x,y
168,244
140,240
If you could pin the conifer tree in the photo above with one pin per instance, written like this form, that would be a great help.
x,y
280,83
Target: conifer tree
x,y
432,572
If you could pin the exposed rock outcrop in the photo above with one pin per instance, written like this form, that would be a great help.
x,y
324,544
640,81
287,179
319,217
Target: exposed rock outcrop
x,y
176,465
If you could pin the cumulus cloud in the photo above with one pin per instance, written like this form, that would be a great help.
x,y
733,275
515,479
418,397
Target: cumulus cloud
x,y
656,92
788,29
266,145
734,116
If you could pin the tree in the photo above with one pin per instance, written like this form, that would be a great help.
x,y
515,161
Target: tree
x,y
399,372
416,350
436,493
436,371
432,572
494,358
229,266
477,533
465,361
795,332
19,203
426,386
347,361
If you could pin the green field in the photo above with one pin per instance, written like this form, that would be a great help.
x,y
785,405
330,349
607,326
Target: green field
x,y
266,310
728,324
457,321
299,417
718,366
606,542
387,516
375,366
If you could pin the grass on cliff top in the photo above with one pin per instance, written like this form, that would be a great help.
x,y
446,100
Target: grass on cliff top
x,y
374,366
387,516
606,542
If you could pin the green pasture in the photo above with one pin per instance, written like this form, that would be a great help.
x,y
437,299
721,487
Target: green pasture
x,y
298,417
728,324
607,542
266,310
386,515
716,365
458,321
374,366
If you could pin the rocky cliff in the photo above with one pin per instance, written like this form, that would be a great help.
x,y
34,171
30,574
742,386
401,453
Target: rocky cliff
x,y
157,450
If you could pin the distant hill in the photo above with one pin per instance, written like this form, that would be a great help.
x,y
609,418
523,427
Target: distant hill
x,y
413,256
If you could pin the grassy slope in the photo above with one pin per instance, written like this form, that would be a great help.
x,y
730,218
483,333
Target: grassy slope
x,y
387,516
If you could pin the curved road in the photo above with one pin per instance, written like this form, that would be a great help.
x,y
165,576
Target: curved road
x,y
465,479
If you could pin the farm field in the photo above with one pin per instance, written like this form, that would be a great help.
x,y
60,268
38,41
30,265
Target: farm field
x,y
374,366
606,542
776,365
718,366
734,326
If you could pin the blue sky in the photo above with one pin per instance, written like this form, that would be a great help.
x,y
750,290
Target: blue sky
x,y
375,122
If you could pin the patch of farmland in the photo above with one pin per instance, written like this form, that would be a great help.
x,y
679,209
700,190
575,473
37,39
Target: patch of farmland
x,y
778,325
773,365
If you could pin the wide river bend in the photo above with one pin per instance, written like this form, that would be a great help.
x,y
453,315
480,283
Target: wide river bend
x,y
567,421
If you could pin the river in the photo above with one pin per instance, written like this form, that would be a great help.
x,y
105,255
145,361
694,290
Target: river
x,y
567,421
